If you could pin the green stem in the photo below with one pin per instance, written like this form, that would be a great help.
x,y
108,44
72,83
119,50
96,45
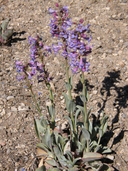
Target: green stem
x,y
67,73
33,96
69,93
87,146
85,105
50,92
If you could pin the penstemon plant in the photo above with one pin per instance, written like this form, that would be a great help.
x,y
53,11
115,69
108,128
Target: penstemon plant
x,y
5,33
81,149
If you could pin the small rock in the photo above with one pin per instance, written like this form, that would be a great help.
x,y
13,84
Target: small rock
x,y
61,97
56,60
10,97
23,108
64,125
1,73
13,109
2,113
119,52
2,143
48,103
115,17
103,56
123,1
95,92
98,38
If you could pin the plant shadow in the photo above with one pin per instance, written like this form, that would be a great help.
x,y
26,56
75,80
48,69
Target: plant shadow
x,y
79,88
15,38
109,83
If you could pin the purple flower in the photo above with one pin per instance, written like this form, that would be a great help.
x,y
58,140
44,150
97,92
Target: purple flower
x,y
56,48
65,9
74,65
33,52
64,54
31,40
81,21
48,49
87,27
84,65
80,28
51,11
39,93
19,66
56,4
20,77
54,29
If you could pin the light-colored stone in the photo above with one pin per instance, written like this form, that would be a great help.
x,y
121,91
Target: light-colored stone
x,y
23,108
13,109
10,98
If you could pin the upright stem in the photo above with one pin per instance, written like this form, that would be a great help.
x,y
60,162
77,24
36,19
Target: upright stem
x,y
50,92
67,73
69,93
85,105
33,96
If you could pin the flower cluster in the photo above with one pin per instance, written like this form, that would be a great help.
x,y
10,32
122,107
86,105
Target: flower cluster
x,y
78,48
60,22
36,65
75,44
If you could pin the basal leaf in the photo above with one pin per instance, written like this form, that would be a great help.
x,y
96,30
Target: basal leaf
x,y
85,134
70,122
105,127
76,115
81,109
91,156
90,127
53,169
7,34
71,107
57,151
68,86
67,100
83,98
42,168
51,111
5,24
51,162
106,150
38,128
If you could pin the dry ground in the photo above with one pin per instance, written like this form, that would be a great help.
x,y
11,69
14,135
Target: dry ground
x,y
107,79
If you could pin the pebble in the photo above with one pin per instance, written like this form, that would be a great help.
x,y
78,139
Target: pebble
x,y
64,125
2,113
10,97
103,56
23,108
13,109
123,1
95,92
